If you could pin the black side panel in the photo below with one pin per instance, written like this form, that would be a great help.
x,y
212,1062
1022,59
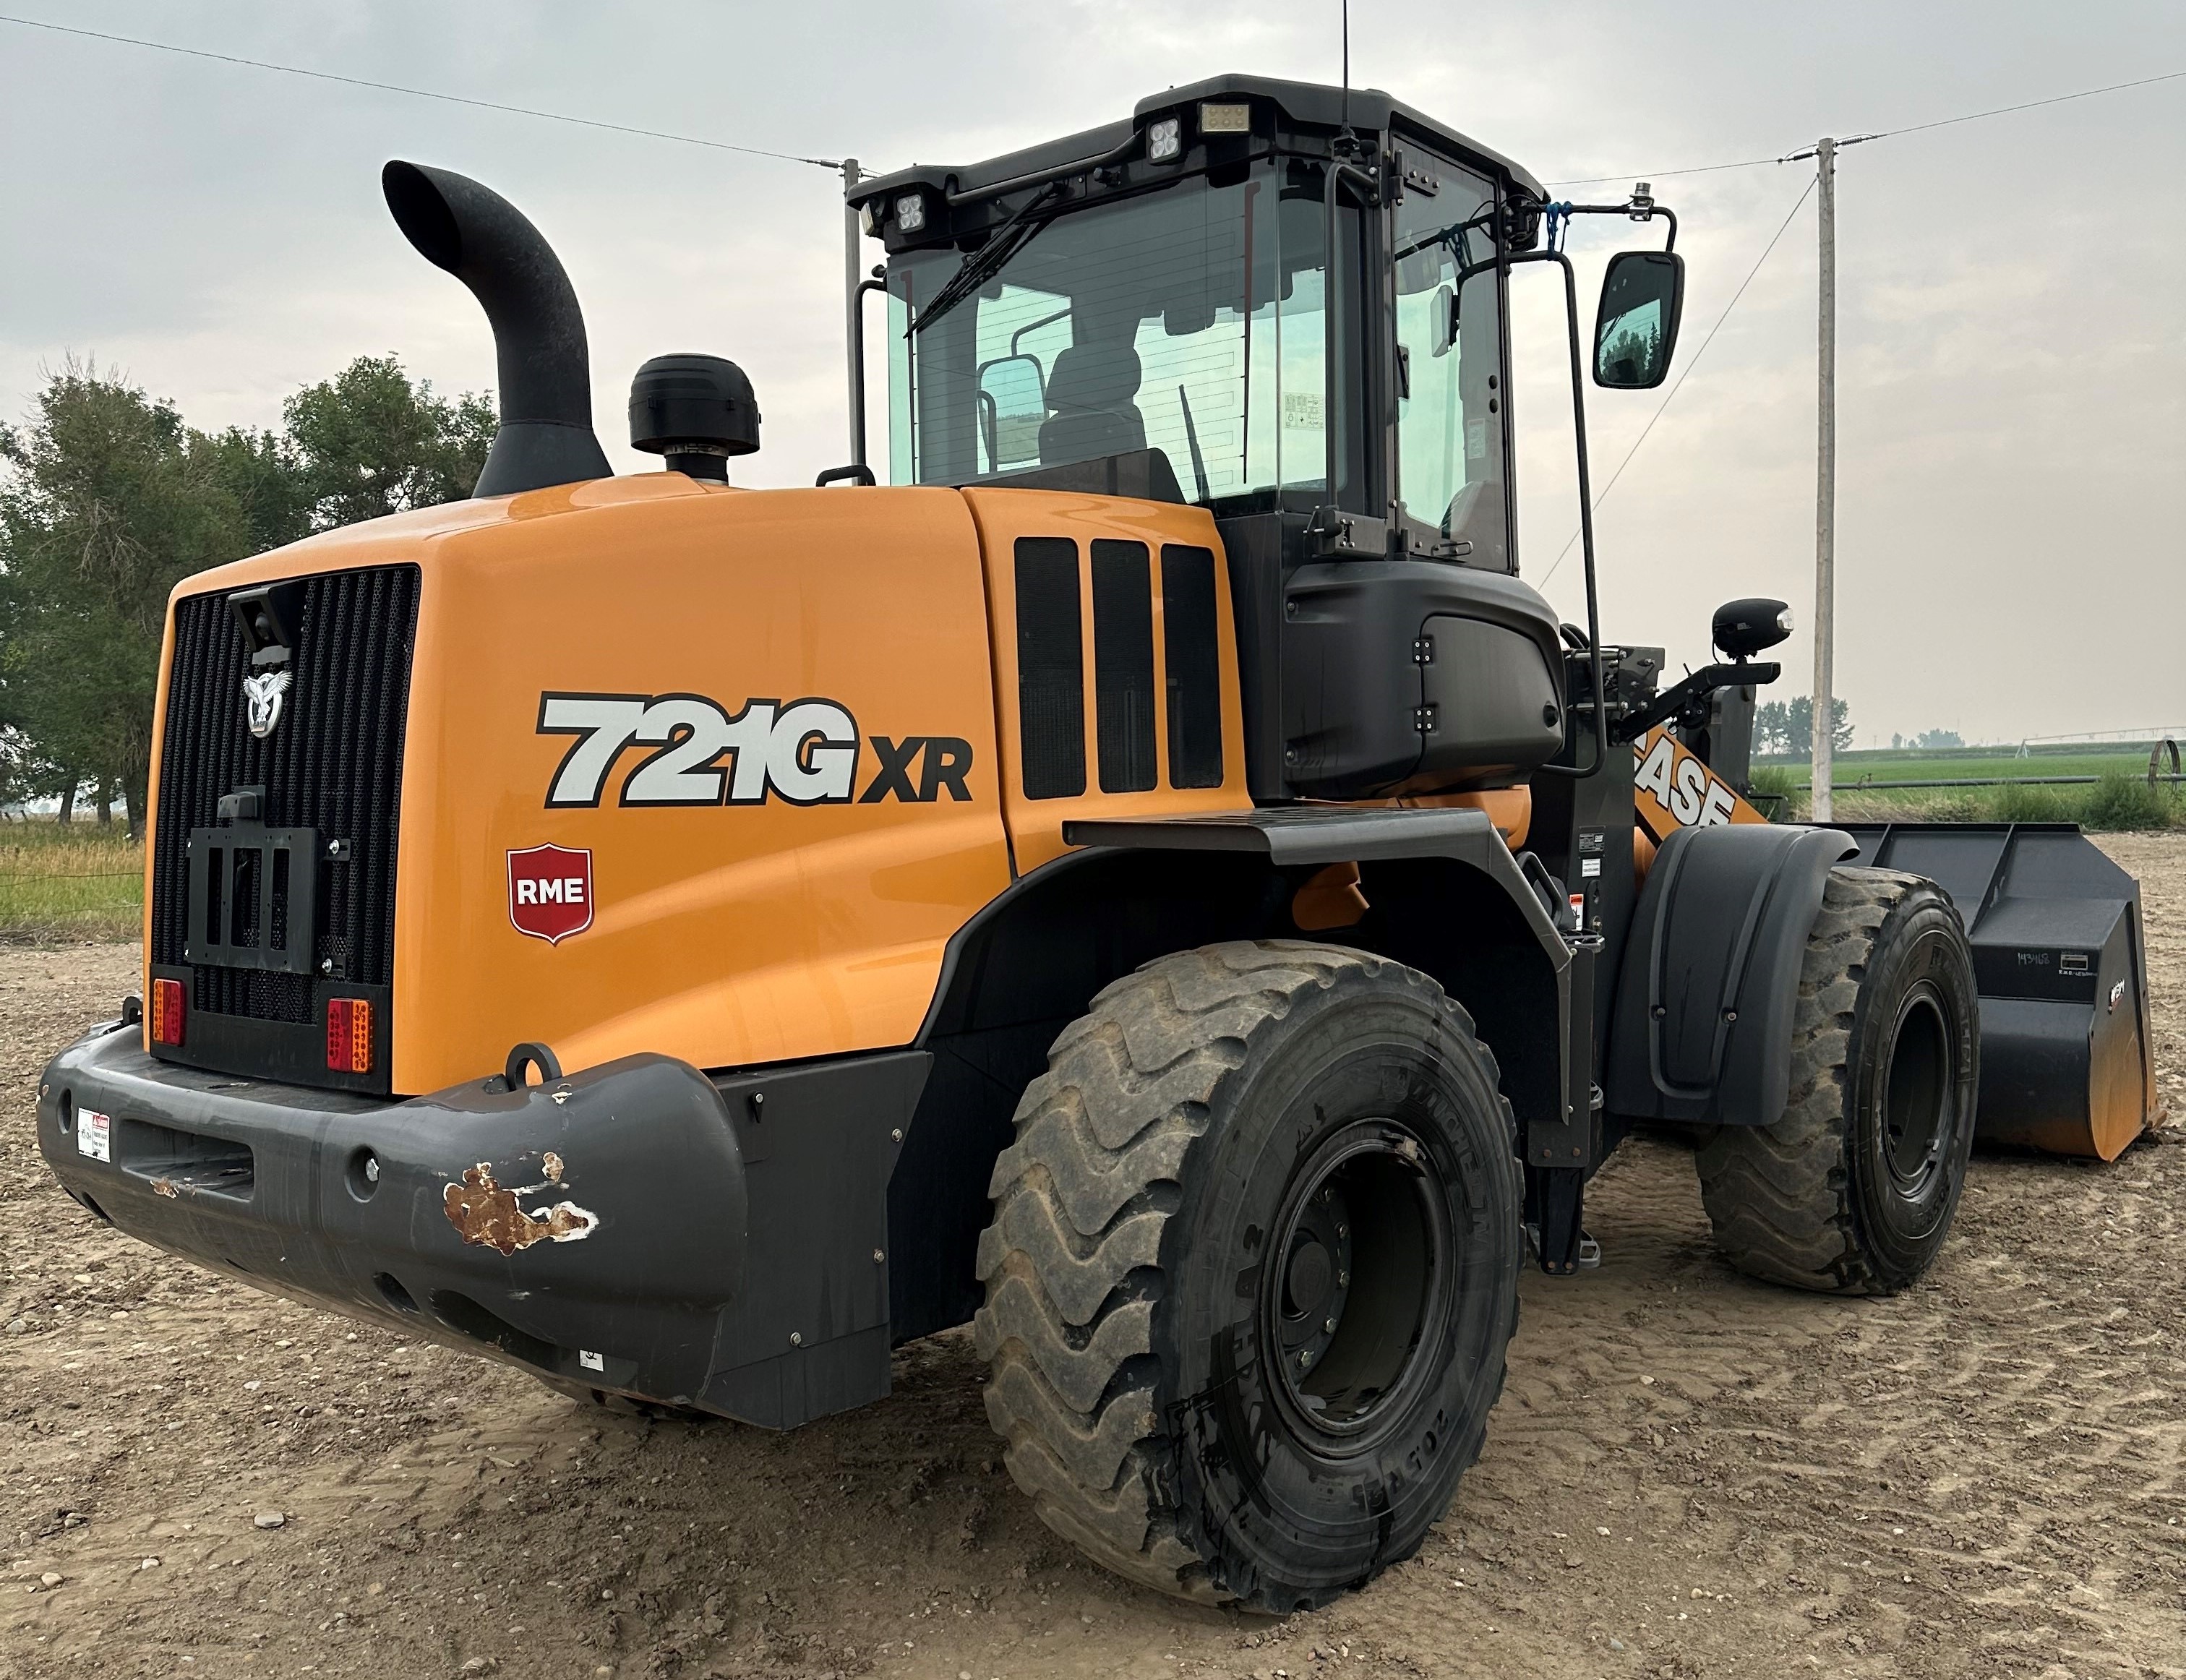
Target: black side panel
x,y
1192,650
1702,1030
1124,665
1051,668
808,1333
1255,546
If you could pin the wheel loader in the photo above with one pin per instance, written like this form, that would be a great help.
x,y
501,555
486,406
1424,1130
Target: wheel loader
x,y
1153,881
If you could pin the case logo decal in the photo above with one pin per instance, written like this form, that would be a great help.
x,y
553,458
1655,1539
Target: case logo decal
x,y
550,892
800,752
1673,789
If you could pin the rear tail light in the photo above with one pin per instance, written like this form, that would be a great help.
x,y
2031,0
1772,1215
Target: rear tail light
x,y
349,1035
166,1012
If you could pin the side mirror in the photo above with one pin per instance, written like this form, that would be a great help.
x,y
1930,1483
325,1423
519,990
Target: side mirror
x,y
1636,327
1012,407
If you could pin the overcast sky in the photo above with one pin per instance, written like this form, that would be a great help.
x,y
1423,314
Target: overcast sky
x,y
2011,427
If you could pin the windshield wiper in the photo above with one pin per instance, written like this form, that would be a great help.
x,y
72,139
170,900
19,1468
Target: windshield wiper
x,y
989,261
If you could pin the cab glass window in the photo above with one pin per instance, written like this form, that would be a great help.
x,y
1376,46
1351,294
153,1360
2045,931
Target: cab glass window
x,y
1449,427
1190,321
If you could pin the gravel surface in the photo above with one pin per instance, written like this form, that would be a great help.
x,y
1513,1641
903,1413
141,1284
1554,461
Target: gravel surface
x,y
1691,1474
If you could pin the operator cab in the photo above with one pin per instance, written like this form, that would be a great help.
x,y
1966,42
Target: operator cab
x,y
1174,296
1284,304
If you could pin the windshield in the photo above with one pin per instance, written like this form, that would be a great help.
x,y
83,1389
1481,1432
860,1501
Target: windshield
x,y
1186,321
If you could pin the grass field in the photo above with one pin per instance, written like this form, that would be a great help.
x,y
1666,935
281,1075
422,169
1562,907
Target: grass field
x,y
78,882
2121,799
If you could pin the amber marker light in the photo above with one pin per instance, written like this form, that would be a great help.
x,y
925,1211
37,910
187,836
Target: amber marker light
x,y
167,1011
349,1035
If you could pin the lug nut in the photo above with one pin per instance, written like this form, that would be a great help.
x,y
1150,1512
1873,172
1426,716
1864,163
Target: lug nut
x,y
1329,1326
1305,1358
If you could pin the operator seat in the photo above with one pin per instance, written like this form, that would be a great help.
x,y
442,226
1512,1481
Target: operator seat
x,y
1090,392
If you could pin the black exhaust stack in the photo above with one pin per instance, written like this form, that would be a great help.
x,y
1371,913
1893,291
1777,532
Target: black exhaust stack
x,y
545,435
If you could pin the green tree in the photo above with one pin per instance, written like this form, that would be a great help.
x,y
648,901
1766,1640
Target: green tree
x,y
108,500
108,503
1787,727
369,442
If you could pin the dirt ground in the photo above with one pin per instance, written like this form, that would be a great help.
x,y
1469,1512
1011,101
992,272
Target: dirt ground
x,y
1689,1475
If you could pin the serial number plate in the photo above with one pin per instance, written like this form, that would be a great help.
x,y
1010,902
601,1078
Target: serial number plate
x,y
94,1134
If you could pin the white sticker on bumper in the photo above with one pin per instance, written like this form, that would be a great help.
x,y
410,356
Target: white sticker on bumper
x,y
94,1134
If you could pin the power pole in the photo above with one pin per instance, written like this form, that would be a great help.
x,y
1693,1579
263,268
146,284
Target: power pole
x,y
853,256
1825,490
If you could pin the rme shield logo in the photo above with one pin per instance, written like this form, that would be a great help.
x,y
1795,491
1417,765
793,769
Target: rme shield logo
x,y
801,752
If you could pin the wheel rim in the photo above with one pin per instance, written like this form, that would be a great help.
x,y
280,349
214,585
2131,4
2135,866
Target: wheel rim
x,y
1919,1093
1354,1295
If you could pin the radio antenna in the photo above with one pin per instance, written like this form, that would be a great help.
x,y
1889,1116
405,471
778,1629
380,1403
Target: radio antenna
x,y
1347,64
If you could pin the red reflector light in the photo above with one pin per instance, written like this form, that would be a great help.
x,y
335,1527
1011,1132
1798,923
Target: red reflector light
x,y
349,1035
166,1012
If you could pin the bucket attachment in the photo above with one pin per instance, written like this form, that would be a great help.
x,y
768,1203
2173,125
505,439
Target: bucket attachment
x,y
2065,1051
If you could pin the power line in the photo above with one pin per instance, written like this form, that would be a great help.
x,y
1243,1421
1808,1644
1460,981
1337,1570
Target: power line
x,y
1683,377
421,93
1885,134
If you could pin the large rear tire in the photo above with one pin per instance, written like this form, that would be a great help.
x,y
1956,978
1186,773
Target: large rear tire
x,y
1852,1190
1198,1419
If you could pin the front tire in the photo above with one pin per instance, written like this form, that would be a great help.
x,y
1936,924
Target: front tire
x,y
1252,1271
1853,1191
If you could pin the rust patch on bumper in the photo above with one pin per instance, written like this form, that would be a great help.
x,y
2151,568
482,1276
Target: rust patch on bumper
x,y
487,1214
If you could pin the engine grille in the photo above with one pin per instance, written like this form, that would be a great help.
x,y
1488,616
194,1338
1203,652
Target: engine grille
x,y
333,764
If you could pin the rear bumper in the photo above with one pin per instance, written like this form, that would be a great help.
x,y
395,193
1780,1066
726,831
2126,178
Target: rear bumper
x,y
637,1227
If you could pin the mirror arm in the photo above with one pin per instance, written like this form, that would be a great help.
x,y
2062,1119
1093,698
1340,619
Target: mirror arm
x,y
1692,694
1645,213
1585,521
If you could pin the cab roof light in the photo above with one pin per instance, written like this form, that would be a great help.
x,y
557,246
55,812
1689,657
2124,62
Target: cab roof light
x,y
1165,139
1225,118
910,213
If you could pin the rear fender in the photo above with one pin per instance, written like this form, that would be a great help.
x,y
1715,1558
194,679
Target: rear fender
x,y
1701,1030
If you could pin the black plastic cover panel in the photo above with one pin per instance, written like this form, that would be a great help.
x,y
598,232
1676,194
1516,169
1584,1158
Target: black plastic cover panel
x,y
1051,668
1124,665
1191,652
1702,1025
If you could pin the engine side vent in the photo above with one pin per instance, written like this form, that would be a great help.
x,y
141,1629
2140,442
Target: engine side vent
x,y
1124,665
1051,668
1191,651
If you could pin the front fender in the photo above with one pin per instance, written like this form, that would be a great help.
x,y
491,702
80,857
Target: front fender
x,y
1701,1030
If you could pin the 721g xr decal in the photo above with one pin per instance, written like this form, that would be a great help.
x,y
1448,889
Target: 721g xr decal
x,y
802,751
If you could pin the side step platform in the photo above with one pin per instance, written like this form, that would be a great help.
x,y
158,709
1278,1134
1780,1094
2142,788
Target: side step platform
x,y
2066,1053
